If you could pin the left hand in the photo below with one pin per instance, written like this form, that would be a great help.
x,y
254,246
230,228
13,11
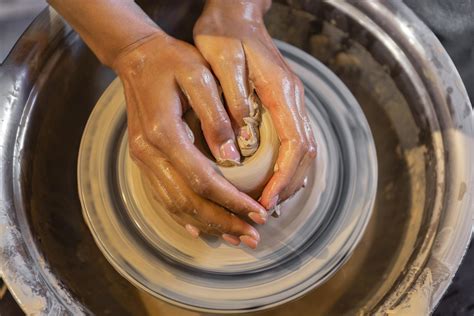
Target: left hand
x,y
232,37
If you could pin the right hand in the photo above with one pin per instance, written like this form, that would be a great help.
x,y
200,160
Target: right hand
x,y
232,37
162,76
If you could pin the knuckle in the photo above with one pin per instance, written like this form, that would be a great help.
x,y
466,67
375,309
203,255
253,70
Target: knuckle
x,y
137,147
238,103
204,190
298,146
198,74
156,134
199,185
231,56
194,212
311,151
214,227
179,205
219,127
196,71
209,230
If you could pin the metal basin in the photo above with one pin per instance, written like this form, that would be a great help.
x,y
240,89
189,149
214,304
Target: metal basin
x,y
412,96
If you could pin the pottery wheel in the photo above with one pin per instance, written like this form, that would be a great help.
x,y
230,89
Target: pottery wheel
x,y
317,230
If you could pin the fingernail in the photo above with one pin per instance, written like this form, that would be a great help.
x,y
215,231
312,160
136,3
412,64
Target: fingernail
x,y
244,133
252,233
262,209
231,239
192,230
249,241
273,202
257,218
229,151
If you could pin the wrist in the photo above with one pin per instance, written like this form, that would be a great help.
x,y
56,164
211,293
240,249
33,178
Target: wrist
x,y
117,45
130,56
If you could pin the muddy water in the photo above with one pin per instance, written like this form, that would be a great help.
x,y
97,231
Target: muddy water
x,y
56,218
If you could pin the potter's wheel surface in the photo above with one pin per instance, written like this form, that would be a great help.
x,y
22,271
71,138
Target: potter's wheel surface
x,y
315,234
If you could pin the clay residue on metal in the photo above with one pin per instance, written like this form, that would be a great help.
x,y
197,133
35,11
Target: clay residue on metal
x,y
18,274
418,300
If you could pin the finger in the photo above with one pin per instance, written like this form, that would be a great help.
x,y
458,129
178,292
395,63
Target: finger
x,y
202,176
276,87
300,105
142,153
176,190
289,157
227,229
298,180
206,182
164,128
310,154
232,231
227,60
201,90
141,150
281,105
231,239
192,211
160,194
189,223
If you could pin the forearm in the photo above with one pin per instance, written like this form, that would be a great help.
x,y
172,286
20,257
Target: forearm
x,y
107,26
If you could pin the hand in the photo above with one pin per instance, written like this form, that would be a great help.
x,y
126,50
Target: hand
x,y
162,76
232,37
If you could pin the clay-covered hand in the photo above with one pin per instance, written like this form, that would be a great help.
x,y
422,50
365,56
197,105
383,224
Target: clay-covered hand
x,y
162,76
232,37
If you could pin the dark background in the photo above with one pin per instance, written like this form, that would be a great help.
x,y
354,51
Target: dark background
x,y
451,20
